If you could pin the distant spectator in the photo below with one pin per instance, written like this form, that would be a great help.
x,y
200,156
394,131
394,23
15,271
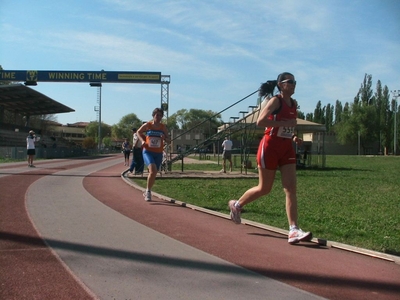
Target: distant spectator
x,y
126,149
137,165
227,154
30,146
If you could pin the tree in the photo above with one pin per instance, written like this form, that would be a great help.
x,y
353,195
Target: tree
x,y
367,116
172,123
346,132
338,112
365,93
381,97
123,129
204,120
346,111
180,118
310,117
357,123
92,130
329,117
107,141
89,143
394,116
319,113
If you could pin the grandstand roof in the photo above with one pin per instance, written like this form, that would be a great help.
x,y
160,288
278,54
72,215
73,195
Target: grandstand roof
x,y
26,101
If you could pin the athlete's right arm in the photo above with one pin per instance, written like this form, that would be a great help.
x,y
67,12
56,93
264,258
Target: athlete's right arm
x,y
141,131
271,106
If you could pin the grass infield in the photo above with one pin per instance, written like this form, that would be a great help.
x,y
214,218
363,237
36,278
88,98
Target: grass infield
x,y
355,200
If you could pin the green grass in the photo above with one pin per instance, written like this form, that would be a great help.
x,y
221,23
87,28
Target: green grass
x,y
9,160
355,200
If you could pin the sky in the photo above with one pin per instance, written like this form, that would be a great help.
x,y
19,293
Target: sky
x,y
215,52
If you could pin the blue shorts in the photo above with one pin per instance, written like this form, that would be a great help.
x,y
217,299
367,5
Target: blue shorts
x,y
152,158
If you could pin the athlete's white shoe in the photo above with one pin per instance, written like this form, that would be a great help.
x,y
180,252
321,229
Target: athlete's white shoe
x,y
297,235
235,212
147,195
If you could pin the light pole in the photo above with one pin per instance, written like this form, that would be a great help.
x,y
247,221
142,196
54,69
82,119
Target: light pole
x,y
395,94
234,119
98,85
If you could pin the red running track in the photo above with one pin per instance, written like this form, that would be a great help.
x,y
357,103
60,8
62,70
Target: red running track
x,y
29,270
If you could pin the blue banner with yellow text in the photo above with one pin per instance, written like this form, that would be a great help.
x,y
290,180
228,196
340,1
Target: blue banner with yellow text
x,y
80,76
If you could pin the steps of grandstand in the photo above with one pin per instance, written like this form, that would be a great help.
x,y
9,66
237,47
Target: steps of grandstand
x,y
10,138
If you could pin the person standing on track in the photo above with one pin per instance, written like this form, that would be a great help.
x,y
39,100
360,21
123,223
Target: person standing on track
x,y
30,147
126,148
137,165
276,151
153,135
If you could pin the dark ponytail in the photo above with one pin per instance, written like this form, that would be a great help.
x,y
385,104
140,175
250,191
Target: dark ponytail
x,y
268,87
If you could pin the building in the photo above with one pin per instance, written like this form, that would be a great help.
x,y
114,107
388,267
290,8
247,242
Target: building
x,y
73,133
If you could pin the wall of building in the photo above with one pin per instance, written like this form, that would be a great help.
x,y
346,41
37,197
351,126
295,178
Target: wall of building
x,y
71,133
333,147
185,140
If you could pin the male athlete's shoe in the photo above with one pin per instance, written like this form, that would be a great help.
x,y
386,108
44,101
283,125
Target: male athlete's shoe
x,y
297,235
235,212
132,166
147,195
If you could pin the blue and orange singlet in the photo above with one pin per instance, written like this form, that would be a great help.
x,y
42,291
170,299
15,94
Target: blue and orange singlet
x,y
154,139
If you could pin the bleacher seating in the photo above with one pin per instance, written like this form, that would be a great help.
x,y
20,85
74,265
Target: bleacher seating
x,y
10,138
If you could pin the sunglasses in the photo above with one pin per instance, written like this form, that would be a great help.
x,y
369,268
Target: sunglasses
x,y
291,81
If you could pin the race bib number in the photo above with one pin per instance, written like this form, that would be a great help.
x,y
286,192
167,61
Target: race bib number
x,y
155,142
285,132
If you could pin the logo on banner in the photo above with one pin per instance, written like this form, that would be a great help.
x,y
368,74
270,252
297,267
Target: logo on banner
x,y
31,75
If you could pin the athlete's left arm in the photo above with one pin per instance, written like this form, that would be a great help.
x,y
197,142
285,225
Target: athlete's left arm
x,y
297,140
166,136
